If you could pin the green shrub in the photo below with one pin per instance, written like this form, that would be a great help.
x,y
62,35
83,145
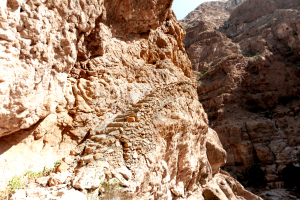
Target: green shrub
x,y
56,164
15,183
201,74
256,57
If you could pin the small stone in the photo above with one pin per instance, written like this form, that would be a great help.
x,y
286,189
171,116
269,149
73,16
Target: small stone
x,y
59,178
89,178
131,119
126,156
102,164
63,167
118,144
109,141
99,138
42,181
90,150
110,151
77,150
93,132
127,144
125,172
135,155
92,144
120,178
87,159
68,160
102,150
118,136
98,156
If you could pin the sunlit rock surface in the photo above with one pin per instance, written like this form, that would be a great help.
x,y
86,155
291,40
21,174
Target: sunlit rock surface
x,y
108,87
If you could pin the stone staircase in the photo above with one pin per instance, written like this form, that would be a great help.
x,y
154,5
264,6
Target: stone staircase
x,y
127,138
131,134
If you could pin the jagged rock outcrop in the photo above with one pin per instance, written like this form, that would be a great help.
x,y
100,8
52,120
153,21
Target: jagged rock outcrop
x,y
250,87
108,87
208,16
215,13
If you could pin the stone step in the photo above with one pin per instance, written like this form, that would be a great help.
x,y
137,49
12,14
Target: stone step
x,y
123,116
141,104
127,113
107,130
144,101
115,124
121,119
132,110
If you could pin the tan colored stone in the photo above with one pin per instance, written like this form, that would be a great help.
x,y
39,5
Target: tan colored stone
x,y
89,178
89,150
63,167
68,160
43,181
98,156
131,119
59,178
87,159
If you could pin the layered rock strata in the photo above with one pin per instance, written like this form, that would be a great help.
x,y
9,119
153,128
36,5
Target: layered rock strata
x,y
107,86
249,86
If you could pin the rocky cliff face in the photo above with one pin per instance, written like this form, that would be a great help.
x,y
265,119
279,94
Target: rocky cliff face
x,y
214,13
249,86
200,25
108,87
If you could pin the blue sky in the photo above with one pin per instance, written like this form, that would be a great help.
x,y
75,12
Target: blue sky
x,y
183,7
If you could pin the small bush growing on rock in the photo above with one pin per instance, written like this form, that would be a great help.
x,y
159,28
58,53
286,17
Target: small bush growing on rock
x,y
256,57
33,175
47,171
252,53
15,183
201,74
56,164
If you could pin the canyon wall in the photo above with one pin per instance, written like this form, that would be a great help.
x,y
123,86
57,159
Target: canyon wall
x,y
248,83
107,86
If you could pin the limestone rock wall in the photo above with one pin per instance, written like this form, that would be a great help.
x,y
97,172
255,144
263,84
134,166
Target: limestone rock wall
x,y
203,43
249,86
107,85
